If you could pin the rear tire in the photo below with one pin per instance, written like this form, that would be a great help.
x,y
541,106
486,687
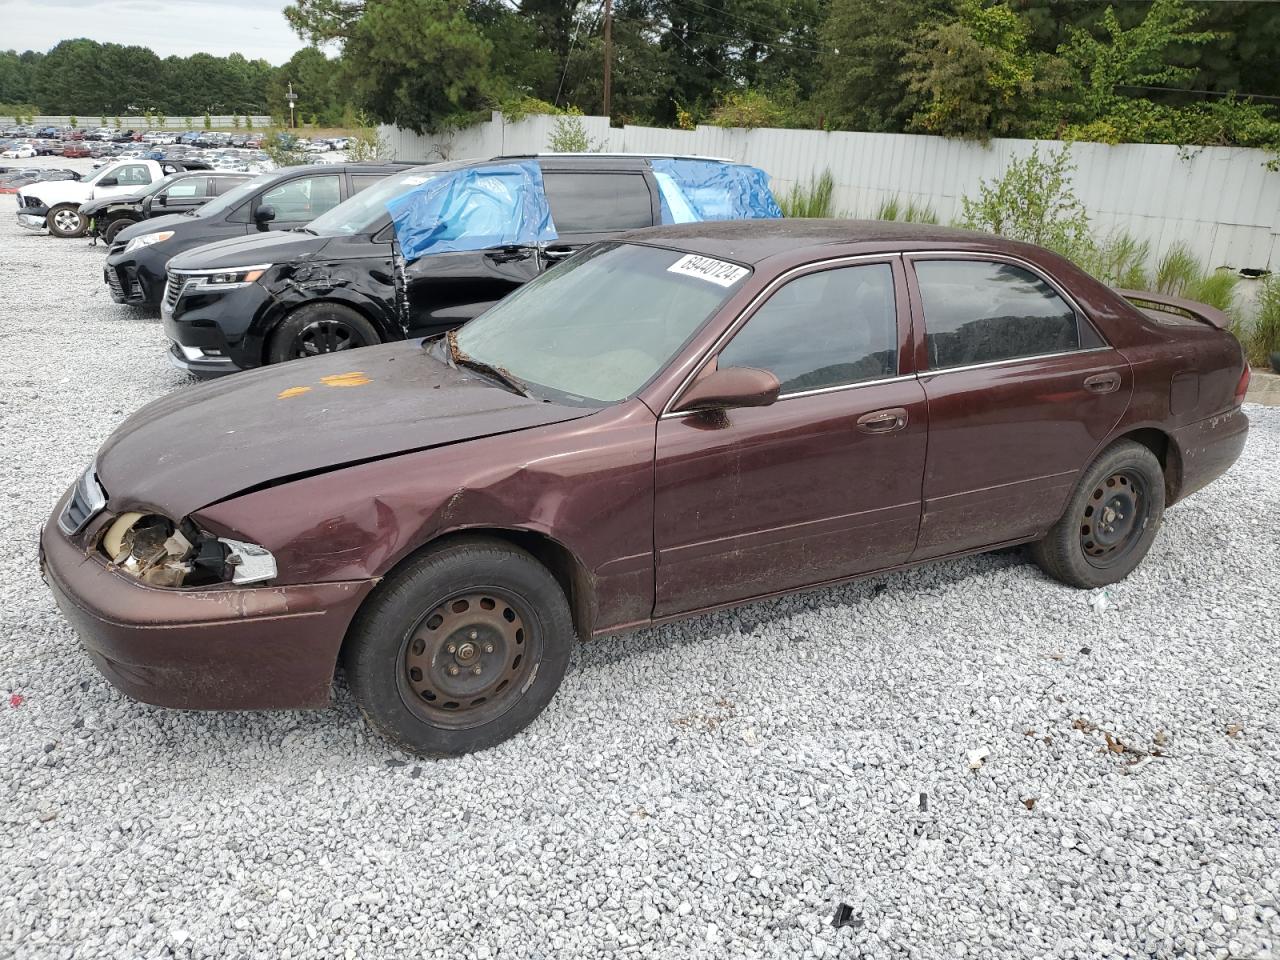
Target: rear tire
x,y
318,328
1110,522
461,648
65,221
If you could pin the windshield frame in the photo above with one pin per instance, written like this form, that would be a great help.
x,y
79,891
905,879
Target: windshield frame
x,y
730,303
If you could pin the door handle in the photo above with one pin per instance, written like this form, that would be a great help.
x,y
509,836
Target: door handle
x,y
1102,383
883,421
558,253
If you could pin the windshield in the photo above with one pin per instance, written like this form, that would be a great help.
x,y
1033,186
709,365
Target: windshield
x,y
600,326
233,197
368,208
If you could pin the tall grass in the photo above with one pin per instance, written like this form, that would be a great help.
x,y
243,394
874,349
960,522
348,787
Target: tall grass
x,y
1178,272
1119,260
1263,338
893,209
810,199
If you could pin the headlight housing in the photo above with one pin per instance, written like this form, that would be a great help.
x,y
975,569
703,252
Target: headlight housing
x,y
218,280
147,239
162,553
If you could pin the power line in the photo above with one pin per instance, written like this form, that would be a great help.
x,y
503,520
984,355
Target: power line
x,y
1207,93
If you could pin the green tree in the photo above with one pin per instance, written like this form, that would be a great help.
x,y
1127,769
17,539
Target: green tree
x,y
976,75
421,64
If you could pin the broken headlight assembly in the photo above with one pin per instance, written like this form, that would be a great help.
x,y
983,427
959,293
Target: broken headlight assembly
x,y
164,554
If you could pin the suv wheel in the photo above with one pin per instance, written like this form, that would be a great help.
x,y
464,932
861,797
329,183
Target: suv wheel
x,y
461,648
1110,522
65,221
114,227
320,328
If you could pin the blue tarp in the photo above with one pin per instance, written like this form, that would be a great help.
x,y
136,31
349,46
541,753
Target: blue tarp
x,y
713,190
495,205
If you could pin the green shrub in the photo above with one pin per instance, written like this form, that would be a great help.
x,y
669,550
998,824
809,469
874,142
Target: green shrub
x,y
570,135
1263,338
810,199
1033,200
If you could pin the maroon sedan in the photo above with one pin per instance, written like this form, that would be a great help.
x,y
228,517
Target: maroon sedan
x,y
687,418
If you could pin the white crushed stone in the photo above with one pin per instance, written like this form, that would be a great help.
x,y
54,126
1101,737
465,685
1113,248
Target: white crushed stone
x,y
711,789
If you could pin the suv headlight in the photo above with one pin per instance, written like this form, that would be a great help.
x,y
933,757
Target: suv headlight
x,y
218,280
147,239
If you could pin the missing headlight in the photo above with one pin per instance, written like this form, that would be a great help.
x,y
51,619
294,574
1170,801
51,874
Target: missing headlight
x,y
163,554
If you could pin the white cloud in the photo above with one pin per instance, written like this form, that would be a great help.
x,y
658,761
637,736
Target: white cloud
x,y
255,28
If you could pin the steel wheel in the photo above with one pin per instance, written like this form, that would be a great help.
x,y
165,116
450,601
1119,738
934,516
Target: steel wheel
x,y
325,336
469,659
1115,516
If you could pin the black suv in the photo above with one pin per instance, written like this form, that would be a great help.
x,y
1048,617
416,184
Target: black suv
x,y
342,283
278,201
176,193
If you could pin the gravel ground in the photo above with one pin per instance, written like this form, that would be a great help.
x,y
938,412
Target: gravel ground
x,y
712,789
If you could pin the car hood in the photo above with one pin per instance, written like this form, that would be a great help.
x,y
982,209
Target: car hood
x,y
52,192
276,246
169,221
93,206
203,444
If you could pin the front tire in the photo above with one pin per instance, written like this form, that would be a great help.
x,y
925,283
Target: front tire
x,y
65,221
1110,522
461,648
319,328
114,227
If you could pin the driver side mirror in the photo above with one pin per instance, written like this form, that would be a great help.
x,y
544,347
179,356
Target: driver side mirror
x,y
264,214
730,387
109,182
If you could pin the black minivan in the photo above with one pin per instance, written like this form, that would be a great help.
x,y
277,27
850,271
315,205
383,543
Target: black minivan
x,y
342,283
281,200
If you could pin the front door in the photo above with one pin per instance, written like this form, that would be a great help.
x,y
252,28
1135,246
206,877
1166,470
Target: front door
x,y
1021,390
825,483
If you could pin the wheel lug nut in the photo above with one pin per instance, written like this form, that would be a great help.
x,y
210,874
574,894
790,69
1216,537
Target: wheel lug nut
x,y
474,635
453,671
488,648
452,648
476,671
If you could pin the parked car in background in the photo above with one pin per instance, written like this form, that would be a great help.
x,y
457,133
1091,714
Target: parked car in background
x,y
665,425
75,150
22,151
176,193
343,283
272,202
56,206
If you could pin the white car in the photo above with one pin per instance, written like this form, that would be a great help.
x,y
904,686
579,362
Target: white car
x,y
56,203
22,151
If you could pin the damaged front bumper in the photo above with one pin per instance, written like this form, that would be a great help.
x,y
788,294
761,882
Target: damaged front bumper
x,y
221,647
33,218
209,330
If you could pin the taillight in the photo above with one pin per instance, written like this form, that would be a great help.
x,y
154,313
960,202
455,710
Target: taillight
x,y
1243,386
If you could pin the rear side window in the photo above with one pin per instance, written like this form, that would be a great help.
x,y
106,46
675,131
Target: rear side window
x,y
220,185
977,311
134,175
598,202
827,329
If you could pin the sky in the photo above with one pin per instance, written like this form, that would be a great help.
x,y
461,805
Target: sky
x,y
255,28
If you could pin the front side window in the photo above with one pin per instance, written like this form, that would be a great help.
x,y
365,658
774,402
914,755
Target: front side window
x,y
827,329
598,327
305,198
977,311
189,187
366,211
133,175
598,202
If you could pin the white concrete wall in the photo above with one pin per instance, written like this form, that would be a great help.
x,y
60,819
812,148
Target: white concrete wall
x,y
1221,202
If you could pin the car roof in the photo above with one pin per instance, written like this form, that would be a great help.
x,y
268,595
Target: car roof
x,y
752,241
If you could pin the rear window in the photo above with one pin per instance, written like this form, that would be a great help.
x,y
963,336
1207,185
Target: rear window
x,y
598,202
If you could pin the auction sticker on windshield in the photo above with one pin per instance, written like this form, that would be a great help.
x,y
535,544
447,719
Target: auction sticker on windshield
x,y
709,268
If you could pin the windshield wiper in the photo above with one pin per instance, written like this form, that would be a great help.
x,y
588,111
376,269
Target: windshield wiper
x,y
497,373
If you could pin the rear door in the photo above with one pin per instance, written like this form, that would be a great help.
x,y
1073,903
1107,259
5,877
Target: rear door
x,y
1021,392
185,194
300,200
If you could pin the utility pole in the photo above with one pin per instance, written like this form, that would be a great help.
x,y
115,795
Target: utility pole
x,y
292,98
608,56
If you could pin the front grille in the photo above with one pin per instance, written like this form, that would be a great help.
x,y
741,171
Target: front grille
x,y
113,281
87,498
172,289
